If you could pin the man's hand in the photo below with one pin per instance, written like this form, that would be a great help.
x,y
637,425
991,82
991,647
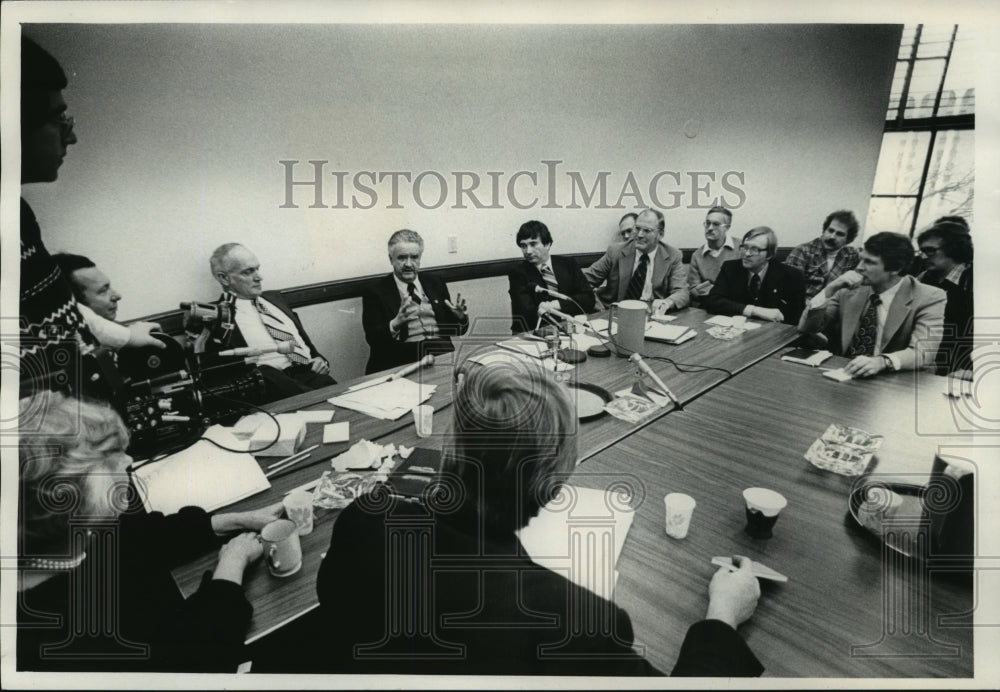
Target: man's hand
x,y
660,306
848,279
459,307
236,555
139,335
252,520
732,595
768,314
319,365
407,311
865,366
702,289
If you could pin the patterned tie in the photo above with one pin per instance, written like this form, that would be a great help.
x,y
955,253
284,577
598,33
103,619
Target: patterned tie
x,y
638,280
276,329
754,288
863,343
412,290
549,278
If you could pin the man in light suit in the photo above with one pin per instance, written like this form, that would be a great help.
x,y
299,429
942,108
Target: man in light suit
x,y
757,286
264,320
644,268
541,269
875,315
407,314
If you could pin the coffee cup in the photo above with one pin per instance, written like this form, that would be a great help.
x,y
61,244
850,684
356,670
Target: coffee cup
x,y
762,509
299,508
678,509
282,550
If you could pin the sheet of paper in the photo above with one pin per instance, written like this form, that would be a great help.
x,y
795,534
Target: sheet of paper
x,y
669,332
201,475
224,436
388,400
726,321
501,356
601,325
580,535
336,432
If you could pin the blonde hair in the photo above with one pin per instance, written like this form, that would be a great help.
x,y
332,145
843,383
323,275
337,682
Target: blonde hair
x,y
513,443
62,441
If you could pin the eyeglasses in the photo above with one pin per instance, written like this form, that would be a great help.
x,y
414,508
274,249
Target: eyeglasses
x,y
64,122
750,250
929,250
715,224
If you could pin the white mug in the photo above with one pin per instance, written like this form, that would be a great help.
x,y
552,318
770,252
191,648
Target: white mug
x,y
282,550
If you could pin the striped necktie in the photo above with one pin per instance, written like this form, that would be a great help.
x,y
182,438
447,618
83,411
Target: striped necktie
x,y
549,278
863,342
277,330
638,280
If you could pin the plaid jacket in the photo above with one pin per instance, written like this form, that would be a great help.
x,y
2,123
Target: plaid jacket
x,y
810,259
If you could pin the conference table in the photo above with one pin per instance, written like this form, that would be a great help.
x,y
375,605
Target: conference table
x,y
739,426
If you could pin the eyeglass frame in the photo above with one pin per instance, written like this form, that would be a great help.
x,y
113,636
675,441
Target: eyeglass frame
x,y
929,251
65,123
751,250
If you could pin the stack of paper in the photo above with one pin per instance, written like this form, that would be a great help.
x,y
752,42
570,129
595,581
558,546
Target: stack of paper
x,y
581,537
389,400
669,333
201,475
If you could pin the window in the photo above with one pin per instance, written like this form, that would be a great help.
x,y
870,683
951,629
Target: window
x,y
926,168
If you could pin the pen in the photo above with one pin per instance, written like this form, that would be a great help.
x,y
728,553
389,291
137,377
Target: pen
x,y
293,456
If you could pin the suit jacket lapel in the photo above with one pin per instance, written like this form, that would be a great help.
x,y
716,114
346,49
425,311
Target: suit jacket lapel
x,y
625,270
659,265
851,307
897,311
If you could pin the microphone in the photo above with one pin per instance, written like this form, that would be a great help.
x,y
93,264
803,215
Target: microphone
x,y
412,367
554,294
284,347
637,359
544,310
205,311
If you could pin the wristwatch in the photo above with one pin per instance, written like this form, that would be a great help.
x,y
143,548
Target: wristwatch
x,y
888,363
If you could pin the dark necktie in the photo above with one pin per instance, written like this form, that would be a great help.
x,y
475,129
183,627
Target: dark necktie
x,y
412,290
863,343
638,280
754,288
276,329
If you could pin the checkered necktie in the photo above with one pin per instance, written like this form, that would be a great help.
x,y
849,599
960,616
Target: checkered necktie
x,y
638,280
549,278
276,329
863,343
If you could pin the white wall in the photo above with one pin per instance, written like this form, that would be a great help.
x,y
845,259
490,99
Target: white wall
x,y
181,128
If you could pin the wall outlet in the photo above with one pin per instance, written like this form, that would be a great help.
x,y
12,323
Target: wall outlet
x,y
452,244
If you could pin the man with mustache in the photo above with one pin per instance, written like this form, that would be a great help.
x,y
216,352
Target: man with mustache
x,y
824,259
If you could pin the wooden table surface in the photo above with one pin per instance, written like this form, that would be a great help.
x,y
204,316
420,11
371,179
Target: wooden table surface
x,y
705,363
847,609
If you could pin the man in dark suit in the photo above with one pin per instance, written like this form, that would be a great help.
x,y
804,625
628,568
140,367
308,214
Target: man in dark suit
x,y
540,269
643,268
756,286
874,315
407,314
263,320
947,247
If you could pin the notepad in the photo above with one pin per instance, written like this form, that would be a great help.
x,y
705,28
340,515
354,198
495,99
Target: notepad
x,y
669,333
202,476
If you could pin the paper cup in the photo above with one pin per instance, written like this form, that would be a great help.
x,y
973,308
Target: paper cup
x,y
762,509
423,419
739,321
678,508
299,508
